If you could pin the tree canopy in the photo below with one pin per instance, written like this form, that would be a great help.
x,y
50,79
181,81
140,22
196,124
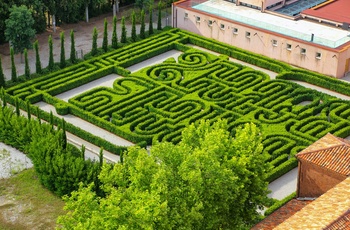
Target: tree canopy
x,y
19,28
210,180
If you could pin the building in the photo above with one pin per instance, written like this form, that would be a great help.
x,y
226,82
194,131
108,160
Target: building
x,y
312,34
323,190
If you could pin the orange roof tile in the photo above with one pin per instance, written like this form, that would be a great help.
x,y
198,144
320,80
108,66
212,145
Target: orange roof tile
x,y
342,223
329,152
323,211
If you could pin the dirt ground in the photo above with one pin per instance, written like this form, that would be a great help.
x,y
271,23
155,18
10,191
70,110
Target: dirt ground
x,y
82,36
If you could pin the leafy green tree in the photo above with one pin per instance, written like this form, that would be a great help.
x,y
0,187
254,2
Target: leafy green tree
x,y
28,111
2,76
51,61
13,66
114,34
94,42
123,37
63,52
150,26
73,58
159,24
19,28
207,181
105,36
143,25
37,58
133,26
26,64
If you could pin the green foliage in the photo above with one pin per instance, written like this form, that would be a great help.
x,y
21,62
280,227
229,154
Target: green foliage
x,y
94,42
26,64
73,58
143,25
279,204
123,36
150,25
105,36
13,66
159,24
207,181
114,34
133,26
51,64
19,28
63,55
2,76
37,58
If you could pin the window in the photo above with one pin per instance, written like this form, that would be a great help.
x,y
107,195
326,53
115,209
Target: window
x,y
186,15
289,47
318,55
235,31
210,22
302,51
247,34
274,42
198,19
222,26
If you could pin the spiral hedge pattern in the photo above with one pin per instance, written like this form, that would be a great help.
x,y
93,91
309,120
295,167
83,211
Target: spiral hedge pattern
x,y
157,102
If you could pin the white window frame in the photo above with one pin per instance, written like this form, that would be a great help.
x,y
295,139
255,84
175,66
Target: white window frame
x,y
289,47
198,19
318,55
186,15
210,22
247,34
302,51
222,26
274,42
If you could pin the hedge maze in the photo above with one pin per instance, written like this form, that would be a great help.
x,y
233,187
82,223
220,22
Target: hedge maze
x,y
157,102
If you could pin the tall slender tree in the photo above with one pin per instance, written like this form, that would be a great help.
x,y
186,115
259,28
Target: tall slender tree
x,y
150,26
13,66
94,42
159,24
105,36
26,64
37,58
133,26
2,76
114,34
17,107
28,110
123,37
51,61
73,58
142,28
63,52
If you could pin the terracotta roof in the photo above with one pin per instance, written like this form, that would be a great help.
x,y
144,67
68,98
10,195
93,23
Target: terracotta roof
x,y
342,223
323,211
281,214
329,152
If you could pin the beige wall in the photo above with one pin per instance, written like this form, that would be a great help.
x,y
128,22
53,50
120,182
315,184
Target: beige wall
x,y
330,63
313,180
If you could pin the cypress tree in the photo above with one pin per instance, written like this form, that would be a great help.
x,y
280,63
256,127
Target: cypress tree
x,y
3,97
114,34
28,110
51,118
17,106
2,76
94,42
13,66
63,55
123,38
37,58
64,135
159,25
73,57
101,157
133,26
26,64
51,61
142,28
38,114
83,151
105,36
150,28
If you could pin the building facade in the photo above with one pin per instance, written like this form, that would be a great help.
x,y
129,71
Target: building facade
x,y
253,26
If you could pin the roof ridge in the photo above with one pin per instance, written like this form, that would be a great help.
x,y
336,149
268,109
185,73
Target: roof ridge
x,y
322,149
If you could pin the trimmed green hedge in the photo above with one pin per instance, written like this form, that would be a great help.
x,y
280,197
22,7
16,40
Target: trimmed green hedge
x,y
279,204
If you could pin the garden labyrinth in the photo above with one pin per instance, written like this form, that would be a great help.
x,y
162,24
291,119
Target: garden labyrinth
x,y
158,101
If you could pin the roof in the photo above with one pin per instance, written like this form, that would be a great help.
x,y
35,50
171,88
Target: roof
x,y
329,152
323,211
337,11
281,214
342,223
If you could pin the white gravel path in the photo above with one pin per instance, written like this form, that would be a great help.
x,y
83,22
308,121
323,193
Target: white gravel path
x,y
284,185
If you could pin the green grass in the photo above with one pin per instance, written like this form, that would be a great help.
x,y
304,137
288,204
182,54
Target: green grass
x,y
26,204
